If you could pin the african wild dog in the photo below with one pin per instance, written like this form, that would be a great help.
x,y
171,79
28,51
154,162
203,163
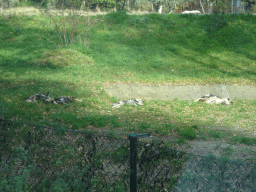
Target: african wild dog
x,y
47,99
64,100
38,96
212,99
133,102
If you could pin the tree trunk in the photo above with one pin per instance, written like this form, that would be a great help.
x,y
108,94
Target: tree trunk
x,y
202,7
160,9
128,5
170,8
82,5
153,10
124,4
2,7
209,7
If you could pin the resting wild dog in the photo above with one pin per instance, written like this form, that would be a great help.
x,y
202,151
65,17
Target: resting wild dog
x,y
133,102
64,100
47,99
212,99
38,96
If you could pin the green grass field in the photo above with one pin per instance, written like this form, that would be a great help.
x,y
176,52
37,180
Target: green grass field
x,y
147,49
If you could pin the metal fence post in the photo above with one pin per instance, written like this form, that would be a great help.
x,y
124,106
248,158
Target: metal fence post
x,y
133,162
133,159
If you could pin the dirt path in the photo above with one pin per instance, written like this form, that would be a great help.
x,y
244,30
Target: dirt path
x,y
34,11
188,92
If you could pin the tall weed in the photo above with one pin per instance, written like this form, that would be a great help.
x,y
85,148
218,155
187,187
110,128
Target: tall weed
x,y
66,24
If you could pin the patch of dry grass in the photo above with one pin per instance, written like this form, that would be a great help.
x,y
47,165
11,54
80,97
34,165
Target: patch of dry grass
x,y
64,58
34,11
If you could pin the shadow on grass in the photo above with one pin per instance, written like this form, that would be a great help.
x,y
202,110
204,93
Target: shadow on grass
x,y
20,46
72,115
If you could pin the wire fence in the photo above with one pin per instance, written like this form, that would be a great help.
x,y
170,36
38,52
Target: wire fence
x,y
43,158
212,174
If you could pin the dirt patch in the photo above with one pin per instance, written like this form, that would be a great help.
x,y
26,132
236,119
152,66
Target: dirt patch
x,y
34,11
188,92
219,149
22,11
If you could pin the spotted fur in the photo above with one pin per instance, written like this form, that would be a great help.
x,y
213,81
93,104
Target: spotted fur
x,y
39,96
64,100
134,102
47,99
212,99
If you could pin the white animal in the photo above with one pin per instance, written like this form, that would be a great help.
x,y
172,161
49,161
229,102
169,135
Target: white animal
x,y
191,12
133,102
212,99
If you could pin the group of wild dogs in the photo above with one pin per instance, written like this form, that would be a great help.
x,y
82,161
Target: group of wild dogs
x,y
47,99
210,99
